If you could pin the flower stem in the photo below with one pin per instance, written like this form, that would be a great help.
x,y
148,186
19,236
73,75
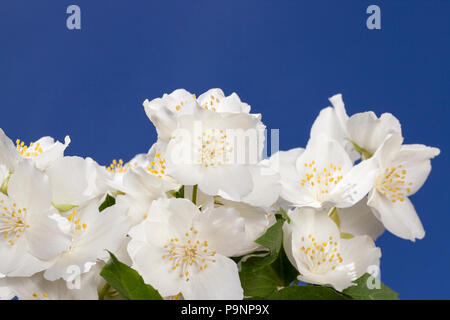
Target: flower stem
x,y
194,194
104,291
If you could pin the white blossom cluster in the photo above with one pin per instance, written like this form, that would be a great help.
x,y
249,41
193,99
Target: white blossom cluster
x,y
203,194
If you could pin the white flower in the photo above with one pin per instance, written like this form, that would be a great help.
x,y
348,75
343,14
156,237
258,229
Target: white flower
x,y
359,220
266,185
118,169
216,151
403,169
200,135
323,175
179,249
42,152
256,219
38,288
364,129
75,180
93,233
32,231
164,111
314,246
143,183
215,100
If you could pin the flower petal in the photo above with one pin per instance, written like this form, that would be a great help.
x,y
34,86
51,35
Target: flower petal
x,y
369,132
30,188
220,281
8,152
399,217
48,235
360,220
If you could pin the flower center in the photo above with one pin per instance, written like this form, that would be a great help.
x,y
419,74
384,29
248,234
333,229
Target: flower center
x,y
320,257
119,166
320,180
31,151
213,148
392,183
12,223
157,166
180,105
187,253
76,222
209,104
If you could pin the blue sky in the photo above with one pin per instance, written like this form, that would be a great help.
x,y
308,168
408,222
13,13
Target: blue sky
x,y
285,58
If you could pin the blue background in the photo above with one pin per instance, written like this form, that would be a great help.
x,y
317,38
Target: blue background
x,y
285,58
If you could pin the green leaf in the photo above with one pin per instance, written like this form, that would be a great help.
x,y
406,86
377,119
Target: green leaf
x,y
260,283
127,281
109,202
284,215
261,276
284,269
362,291
272,240
307,293
179,194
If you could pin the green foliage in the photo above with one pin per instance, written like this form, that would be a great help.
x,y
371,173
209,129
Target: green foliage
x,y
109,202
127,281
261,275
179,193
362,291
308,293
272,240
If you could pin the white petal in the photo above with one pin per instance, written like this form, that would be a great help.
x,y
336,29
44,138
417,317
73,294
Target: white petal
x,y
37,288
220,281
48,235
6,293
73,180
157,272
332,122
415,159
18,262
256,222
359,220
52,151
266,186
223,228
399,217
388,150
230,182
285,163
164,111
322,154
8,152
355,185
30,188
359,253
369,132
177,213
105,231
